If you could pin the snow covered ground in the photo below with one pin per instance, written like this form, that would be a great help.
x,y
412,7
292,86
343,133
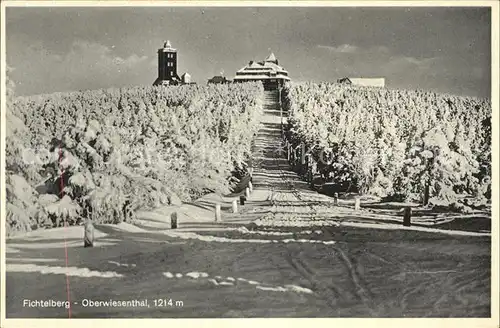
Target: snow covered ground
x,y
286,253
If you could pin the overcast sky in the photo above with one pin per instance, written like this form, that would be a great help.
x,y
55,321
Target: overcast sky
x,y
61,49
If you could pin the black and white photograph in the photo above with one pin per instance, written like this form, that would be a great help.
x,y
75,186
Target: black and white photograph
x,y
249,160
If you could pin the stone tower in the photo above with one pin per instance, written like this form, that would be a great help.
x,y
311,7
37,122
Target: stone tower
x,y
167,65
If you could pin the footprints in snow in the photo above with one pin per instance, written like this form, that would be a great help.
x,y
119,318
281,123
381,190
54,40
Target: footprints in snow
x,y
230,281
122,264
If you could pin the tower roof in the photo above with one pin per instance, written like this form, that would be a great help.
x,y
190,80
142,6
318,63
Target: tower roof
x,y
167,46
271,58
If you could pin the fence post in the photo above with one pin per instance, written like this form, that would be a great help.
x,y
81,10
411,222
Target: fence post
x,y
217,213
250,172
426,193
281,117
235,206
310,165
250,186
247,192
407,216
336,199
88,236
357,204
296,157
173,220
303,154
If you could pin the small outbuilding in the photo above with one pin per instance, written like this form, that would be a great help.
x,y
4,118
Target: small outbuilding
x,y
186,78
218,80
365,82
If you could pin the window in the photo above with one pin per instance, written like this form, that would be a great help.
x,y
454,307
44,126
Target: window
x,y
171,73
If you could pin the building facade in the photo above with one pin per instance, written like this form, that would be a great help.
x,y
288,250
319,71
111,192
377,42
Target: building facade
x,y
268,72
167,66
186,78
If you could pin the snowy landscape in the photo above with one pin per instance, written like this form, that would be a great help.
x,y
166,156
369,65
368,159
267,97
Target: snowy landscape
x,y
262,198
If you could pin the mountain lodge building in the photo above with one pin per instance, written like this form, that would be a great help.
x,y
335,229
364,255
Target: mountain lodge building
x,y
268,72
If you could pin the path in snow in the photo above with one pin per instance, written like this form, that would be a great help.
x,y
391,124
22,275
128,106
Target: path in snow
x,y
287,253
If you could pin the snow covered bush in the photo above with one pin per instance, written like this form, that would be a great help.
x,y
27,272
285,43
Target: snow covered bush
x,y
412,145
110,152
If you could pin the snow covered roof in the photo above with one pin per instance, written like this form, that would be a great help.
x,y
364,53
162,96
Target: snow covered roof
x,y
271,58
263,65
261,77
268,69
167,47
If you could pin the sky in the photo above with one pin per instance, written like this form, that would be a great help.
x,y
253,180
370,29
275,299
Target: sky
x,y
66,49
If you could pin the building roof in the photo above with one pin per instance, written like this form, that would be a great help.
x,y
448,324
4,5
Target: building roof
x,y
218,79
167,47
271,58
261,77
268,69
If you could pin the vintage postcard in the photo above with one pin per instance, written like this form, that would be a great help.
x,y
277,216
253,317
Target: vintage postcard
x,y
323,163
